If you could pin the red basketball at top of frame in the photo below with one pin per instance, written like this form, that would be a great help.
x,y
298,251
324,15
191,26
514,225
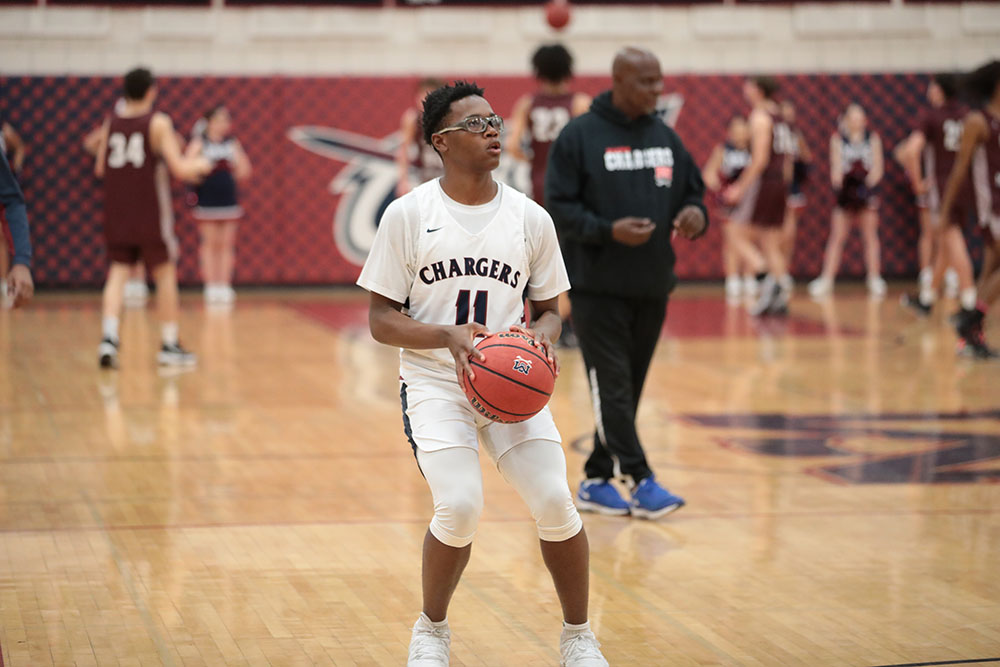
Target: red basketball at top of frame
x,y
515,380
557,13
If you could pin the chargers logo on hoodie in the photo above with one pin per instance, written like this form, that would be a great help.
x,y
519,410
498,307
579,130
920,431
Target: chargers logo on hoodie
x,y
658,158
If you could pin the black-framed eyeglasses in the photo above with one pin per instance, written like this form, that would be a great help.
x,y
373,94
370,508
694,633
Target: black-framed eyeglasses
x,y
475,124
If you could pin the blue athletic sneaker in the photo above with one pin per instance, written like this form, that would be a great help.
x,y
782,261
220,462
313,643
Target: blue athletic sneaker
x,y
651,501
598,495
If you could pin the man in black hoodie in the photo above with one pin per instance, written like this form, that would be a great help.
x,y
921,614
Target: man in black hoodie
x,y
619,186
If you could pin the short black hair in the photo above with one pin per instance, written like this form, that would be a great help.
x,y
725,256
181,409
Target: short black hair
x,y
552,62
981,83
137,82
948,83
438,103
767,84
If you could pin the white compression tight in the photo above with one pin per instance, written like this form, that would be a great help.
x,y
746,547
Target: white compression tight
x,y
537,471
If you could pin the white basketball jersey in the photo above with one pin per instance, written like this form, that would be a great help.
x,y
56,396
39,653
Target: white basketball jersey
x,y
443,274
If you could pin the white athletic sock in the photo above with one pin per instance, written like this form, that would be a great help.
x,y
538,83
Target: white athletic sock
x,y
967,298
570,629
927,295
109,328
925,277
437,625
168,332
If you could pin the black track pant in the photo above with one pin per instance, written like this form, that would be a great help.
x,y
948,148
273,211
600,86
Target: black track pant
x,y
617,337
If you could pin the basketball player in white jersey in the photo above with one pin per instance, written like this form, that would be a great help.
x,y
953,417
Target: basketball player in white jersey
x,y
452,259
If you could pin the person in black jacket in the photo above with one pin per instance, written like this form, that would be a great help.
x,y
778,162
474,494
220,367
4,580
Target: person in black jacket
x,y
619,186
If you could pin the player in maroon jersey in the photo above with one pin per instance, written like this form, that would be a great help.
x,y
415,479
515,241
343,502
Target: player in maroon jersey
x,y
416,161
941,88
536,121
540,117
765,182
980,148
136,291
137,147
935,143
725,164
801,165
856,168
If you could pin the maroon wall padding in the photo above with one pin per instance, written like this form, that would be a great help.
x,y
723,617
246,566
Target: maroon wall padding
x,y
287,237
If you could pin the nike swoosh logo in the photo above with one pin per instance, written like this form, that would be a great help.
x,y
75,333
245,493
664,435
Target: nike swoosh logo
x,y
433,230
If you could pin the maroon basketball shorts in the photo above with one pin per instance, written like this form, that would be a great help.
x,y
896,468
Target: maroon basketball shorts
x,y
768,199
961,210
152,251
151,254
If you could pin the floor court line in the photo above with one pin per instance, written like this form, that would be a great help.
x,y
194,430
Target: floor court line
x,y
129,583
368,522
944,662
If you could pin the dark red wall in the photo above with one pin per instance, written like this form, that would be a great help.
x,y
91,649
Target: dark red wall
x,y
288,238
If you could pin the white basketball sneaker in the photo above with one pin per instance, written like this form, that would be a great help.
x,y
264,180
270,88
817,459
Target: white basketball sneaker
x,y
734,288
820,287
429,646
580,649
876,286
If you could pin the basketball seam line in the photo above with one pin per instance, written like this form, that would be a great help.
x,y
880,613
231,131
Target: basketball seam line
x,y
517,382
505,412
518,347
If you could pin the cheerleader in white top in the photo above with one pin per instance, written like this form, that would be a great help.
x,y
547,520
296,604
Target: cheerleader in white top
x,y
217,208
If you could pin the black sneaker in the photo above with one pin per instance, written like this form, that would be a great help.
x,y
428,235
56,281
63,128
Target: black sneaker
x,y
769,297
912,301
972,342
968,322
107,353
779,304
175,355
973,348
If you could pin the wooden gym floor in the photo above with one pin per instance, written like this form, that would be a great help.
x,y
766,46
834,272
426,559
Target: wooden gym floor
x,y
841,471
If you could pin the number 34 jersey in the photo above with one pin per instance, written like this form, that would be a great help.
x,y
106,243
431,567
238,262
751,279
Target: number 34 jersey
x,y
443,273
136,193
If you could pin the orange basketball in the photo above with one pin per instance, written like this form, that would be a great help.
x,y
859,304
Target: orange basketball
x,y
514,382
557,13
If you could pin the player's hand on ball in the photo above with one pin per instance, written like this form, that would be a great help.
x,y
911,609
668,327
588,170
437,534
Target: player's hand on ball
x,y
543,342
462,345
689,222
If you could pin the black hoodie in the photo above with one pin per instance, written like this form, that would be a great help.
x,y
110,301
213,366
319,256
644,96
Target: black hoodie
x,y
605,166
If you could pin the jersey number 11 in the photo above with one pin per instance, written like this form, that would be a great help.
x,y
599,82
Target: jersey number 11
x,y
479,307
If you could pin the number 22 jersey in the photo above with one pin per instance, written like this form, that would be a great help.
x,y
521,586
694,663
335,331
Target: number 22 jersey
x,y
444,273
